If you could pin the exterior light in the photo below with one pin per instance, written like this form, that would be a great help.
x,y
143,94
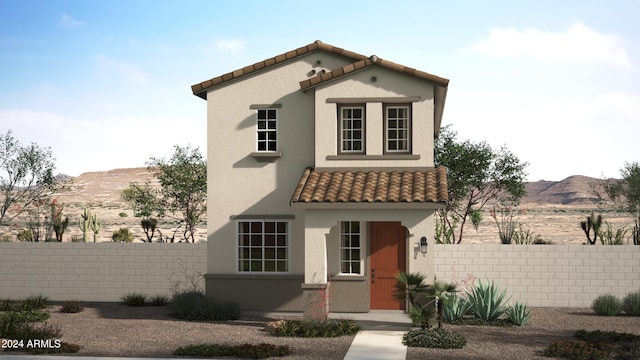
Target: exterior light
x,y
423,244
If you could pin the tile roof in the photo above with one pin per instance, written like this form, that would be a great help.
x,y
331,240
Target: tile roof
x,y
364,63
200,89
369,186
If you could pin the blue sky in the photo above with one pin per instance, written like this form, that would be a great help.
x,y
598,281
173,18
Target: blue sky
x,y
106,84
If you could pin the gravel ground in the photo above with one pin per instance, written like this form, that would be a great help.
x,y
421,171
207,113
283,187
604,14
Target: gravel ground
x,y
112,329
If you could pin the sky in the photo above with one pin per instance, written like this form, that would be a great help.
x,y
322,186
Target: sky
x,y
106,84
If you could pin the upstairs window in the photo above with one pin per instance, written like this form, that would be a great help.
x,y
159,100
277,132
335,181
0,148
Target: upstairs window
x,y
397,130
267,130
351,127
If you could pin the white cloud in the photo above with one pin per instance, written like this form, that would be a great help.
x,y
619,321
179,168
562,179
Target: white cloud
x,y
230,45
577,44
109,68
68,22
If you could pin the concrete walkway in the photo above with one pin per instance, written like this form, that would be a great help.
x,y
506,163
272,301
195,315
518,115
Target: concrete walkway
x,y
377,345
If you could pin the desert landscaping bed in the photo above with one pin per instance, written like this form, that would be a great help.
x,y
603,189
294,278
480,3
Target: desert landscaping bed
x,y
112,329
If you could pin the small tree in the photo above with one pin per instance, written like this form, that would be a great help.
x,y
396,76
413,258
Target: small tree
x,y
57,222
26,176
624,194
145,203
476,174
183,181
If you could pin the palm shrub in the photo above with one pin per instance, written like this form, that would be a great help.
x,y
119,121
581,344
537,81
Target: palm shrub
x,y
518,313
631,304
411,287
607,305
486,301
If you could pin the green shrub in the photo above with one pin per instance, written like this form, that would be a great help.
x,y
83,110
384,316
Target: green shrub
x,y
134,299
158,300
196,306
27,315
631,303
518,313
24,235
310,328
578,350
72,306
605,336
440,338
122,235
34,303
123,215
486,301
608,305
246,351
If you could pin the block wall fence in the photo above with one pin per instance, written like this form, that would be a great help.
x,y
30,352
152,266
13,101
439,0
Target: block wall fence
x,y
544,275
540,275
95,271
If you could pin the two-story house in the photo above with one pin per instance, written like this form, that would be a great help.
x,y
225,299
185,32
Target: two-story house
x,y
321,179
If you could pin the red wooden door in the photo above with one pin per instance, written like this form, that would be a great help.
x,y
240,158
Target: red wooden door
x,y
387,258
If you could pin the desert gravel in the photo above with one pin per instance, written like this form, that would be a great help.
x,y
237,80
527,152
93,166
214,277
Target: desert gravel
x,y
112,329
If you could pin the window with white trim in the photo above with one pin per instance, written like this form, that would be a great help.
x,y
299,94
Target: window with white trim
x,y
351,122
397,123
263,246
267,130
350,248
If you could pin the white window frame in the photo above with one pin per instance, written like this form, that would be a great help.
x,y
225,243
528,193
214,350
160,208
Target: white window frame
x,y
270,129
346,246
342,131
253,240
406,129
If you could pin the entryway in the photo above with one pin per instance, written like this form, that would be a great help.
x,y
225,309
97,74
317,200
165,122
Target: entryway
x,y
387,257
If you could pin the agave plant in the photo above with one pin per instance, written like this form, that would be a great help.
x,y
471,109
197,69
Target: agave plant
x,y
518,313
487,301
455,308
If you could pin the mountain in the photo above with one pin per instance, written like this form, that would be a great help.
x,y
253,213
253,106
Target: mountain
x,y
576,189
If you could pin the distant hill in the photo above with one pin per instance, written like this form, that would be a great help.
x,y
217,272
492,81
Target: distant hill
x,y
106,187
576,189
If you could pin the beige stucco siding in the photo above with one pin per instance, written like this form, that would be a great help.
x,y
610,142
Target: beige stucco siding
x,y
388,84
239,184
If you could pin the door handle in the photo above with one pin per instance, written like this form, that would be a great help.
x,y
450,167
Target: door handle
x,y
373,276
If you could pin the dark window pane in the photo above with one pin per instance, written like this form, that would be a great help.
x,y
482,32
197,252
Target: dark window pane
x,y
256,227
355,226
345,268
392,124
281,253
245,240
357,113
355,241
272,114
272,146
346,242
262,114
262,125
355,268
256,265
282,266
262,135
262,146
270,265
393,112
282,240
269,240
269,227
357,124
244,227
392,145
269,253
272,135
256,240
282,227
346,255
271,124
355,254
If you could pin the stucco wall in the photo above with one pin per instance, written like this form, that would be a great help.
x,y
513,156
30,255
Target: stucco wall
x,y
544,275
95,271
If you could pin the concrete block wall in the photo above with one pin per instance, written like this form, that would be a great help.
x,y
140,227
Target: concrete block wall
x,y
95,271
544,275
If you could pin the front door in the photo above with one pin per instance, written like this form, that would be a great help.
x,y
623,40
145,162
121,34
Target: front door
x,y
387,258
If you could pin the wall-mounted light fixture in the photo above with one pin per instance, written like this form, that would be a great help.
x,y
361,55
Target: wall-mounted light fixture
x,y
423,244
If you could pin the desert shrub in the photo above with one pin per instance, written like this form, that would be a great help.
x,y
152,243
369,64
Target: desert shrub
x,y
134,299
27,315
122,235
631,303
34,303
24,235
605,336
159,300
196,306
440,338
486,301
608,305
578,350
310,328
123,215
72,306
245,351
518,313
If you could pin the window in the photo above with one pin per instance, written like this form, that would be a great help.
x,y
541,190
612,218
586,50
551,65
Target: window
x,y
351,127
267,130
263,246
350,248
397,124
